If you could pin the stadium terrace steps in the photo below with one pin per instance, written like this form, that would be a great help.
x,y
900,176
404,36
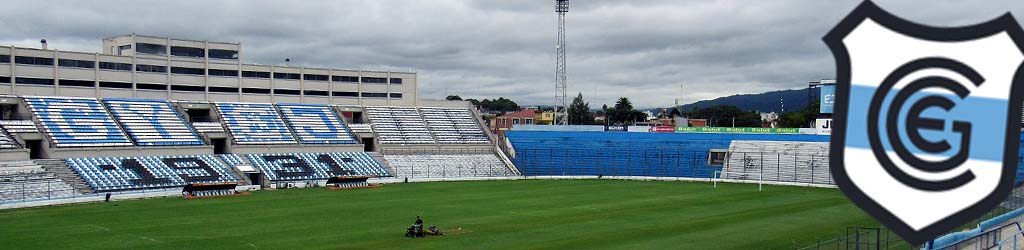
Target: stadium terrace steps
x,y
26,180
316,166
380,158
106,174
361,128
62,170
800,162
399,125
426,125
208,127
231,161
152,122
254,123
76,122
315,124
7,141
19,126
453,126
448,165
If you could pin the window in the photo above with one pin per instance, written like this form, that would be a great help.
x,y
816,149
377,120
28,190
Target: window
x,y
375,80
187,51
77,83
223,54
375,95
223,90
5,58
529,121
116,66
222,72
116,85
717,157
345,78
396,80
28,60
309,77
76,63
152,86
188,88
396,95
286,92
316,92
123,49
33,81
345,94
501,121
187,71
149,48
292,76
5,79
255,91
255,74
150,68
515,121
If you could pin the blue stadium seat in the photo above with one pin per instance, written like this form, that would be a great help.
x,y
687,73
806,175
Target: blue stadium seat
x,y
254,123
76,122
626,154
127,173
152,122
316,166
231,159
316,124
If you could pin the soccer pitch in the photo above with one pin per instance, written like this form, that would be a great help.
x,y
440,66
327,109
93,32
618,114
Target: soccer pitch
x,y
523,214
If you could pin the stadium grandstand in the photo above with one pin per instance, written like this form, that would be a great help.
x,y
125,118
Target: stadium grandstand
x,y
151,115
156,116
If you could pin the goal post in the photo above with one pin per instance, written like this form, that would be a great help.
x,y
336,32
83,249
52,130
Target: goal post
x,y
718,176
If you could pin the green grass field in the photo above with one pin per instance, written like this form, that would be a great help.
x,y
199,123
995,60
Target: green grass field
x,y
525,214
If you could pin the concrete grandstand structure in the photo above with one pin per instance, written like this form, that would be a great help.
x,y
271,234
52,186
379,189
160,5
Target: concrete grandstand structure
x,y
152,115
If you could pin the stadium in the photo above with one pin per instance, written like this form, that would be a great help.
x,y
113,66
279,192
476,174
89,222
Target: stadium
x,y
167,143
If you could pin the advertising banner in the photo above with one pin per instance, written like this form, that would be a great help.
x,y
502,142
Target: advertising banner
x,y
824,126
827,98
663,129
737,130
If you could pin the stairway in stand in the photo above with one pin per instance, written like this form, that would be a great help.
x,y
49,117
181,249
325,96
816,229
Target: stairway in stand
x,y
380,158
62,170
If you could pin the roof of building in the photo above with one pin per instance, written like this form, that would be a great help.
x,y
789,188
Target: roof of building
x,y
521,114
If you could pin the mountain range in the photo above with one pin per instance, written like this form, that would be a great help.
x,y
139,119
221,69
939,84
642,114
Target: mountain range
x,y
793,99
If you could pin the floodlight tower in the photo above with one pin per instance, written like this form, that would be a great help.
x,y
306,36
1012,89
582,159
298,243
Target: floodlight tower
x,y
561,117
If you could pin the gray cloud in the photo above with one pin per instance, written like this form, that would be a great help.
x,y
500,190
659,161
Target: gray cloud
x,y
485,49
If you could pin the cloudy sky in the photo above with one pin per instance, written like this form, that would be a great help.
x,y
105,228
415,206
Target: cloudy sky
x,y
643,50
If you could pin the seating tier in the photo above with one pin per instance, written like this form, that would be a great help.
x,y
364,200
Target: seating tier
x,y
316,124
76,122
152,122
316,166
106,174
448,165
254,123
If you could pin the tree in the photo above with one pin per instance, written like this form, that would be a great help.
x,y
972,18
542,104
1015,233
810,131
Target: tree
x,y
579,111
801,118
675,113
623,113
727,116
500,105
453,98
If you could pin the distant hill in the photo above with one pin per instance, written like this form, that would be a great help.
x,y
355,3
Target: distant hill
x,y
795,99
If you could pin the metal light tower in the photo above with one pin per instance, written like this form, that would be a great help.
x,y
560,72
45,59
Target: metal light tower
x,y
561,117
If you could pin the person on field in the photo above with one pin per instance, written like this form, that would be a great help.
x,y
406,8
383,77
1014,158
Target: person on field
x,y
418,227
